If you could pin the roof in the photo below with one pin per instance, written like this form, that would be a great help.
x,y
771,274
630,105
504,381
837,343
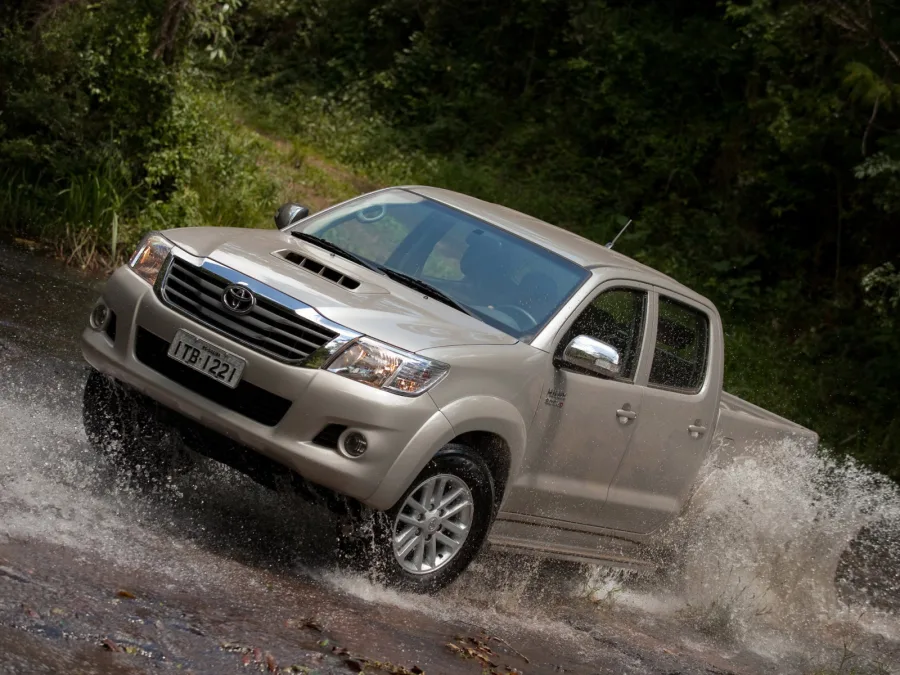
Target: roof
x,y
569,245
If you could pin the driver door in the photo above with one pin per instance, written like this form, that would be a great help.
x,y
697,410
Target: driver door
x,y
585,421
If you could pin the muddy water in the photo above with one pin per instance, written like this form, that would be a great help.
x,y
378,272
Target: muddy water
x,y
211,572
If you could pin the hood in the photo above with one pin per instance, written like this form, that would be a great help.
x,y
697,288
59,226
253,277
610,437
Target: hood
x,y
339,289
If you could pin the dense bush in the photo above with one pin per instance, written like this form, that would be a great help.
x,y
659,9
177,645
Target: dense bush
x,y
104,133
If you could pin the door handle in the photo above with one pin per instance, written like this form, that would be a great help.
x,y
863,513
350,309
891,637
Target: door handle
x,y
696,430
625,416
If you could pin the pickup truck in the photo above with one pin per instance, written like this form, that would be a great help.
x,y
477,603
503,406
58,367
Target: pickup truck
x,y
460,371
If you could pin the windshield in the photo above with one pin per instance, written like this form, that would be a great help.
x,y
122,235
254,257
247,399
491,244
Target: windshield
x,y
508,282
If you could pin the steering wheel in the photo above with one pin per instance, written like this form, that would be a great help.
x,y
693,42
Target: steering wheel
x,y
521,312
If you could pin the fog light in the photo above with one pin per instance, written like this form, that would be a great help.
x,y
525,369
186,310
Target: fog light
x,y
353,444
99,316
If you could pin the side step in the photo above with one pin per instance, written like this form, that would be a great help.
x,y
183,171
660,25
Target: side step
x,y
569,553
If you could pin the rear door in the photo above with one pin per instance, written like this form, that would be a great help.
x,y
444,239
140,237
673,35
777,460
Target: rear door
x,y
678,416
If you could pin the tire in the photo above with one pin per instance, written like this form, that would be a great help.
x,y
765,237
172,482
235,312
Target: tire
x,y
125,430
455,469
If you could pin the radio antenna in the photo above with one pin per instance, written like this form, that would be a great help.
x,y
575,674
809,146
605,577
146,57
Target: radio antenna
x,y
613,242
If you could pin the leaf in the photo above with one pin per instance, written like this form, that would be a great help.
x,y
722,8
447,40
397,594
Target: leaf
x,y
111,646
235,647
867,87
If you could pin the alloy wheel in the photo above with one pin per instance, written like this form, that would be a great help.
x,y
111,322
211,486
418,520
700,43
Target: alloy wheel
x,y
433,523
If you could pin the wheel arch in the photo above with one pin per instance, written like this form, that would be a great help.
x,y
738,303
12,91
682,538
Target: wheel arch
x,y
492,427
494,449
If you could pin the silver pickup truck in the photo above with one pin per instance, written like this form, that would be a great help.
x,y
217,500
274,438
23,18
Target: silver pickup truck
x,y
462,371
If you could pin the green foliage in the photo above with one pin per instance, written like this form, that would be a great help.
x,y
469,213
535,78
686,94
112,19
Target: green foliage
x,y
105,129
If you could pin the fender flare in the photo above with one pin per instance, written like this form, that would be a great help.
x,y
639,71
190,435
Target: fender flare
x,y
473,413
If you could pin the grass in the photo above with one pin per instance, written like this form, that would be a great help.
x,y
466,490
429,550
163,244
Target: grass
x,y
367,153
77,216
243,172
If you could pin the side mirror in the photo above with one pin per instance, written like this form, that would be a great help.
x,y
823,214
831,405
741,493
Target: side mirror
x,y
290,214
593,355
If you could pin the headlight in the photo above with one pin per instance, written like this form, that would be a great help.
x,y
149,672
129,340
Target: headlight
x,y
149,257
374,363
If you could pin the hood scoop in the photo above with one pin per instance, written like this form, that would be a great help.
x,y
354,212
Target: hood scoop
x,y
317,268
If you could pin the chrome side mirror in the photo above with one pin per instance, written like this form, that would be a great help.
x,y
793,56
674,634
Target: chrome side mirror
x,y
593,355
290,214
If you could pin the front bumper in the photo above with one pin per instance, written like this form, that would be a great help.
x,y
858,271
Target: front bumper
x,y
402,432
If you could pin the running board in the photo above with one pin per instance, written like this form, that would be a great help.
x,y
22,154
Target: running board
x,y
570,554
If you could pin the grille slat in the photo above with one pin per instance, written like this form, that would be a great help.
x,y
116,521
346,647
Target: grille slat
x,y
212,294
323,335
225,325
269,327
196,284
197,274
214,303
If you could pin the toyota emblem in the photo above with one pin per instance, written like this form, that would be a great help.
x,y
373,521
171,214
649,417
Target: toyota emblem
x,y
238,299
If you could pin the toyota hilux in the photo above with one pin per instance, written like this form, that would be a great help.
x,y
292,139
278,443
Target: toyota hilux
x,y
464,371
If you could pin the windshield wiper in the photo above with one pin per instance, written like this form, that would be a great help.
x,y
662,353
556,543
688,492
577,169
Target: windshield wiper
x,y
337,250
426,288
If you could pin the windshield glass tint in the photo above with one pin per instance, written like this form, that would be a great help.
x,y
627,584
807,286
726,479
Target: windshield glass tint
x,y
508,282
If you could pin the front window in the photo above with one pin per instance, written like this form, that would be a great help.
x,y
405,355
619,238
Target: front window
x,y
508,282
615,317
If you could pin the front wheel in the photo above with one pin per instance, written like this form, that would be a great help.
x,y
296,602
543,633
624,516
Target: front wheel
x,y
435,530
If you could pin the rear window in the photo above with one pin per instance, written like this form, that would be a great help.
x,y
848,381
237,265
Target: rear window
x,y
682,347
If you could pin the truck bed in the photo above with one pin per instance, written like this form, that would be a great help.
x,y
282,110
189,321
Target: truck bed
x,y
743,426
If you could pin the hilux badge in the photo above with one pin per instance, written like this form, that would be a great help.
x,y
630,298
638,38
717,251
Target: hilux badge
x,y
238,299
555,398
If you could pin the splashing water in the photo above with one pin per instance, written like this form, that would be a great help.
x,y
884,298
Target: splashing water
x,y
751,565
760,561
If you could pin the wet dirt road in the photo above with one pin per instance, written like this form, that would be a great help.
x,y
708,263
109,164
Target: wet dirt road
x,y
214,574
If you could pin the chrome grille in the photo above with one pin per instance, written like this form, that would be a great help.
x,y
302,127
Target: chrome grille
x,y
269,327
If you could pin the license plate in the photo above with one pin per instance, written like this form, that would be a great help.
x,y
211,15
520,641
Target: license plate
x,y
206,358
